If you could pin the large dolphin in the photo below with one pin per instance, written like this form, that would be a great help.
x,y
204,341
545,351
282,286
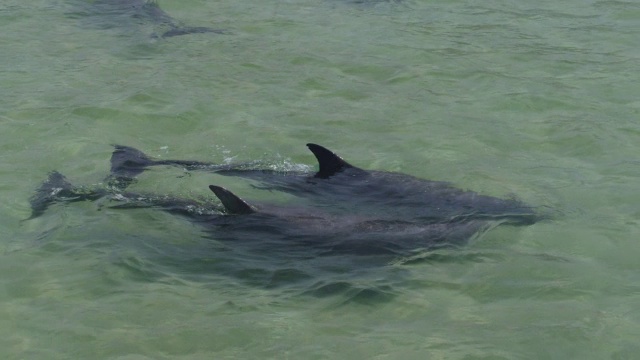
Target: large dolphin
x,y
338,184
309,230
141,12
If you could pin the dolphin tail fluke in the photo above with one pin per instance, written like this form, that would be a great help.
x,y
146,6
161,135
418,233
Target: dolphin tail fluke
x,y
126,164
127,161
231,202
56,188
47,193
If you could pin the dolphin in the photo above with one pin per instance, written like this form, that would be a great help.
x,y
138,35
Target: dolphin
x,y
352,224
338,184
303,229
143,11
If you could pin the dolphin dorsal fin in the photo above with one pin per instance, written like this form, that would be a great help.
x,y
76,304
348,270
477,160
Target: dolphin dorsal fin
x,y
329,163
231,202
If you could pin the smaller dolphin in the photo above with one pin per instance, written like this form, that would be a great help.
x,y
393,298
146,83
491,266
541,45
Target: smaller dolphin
x,y
282,227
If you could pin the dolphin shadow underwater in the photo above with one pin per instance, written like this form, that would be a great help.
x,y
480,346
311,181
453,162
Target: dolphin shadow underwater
x,y
136,13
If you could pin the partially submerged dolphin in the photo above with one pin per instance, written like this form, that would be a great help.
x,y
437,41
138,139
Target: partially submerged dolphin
x,y
145,11
283,227
341,185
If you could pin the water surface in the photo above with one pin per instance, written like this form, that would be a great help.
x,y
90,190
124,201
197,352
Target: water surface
x,y
538,99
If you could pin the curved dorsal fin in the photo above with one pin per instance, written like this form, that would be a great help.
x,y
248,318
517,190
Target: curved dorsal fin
x,y
329,163
231,202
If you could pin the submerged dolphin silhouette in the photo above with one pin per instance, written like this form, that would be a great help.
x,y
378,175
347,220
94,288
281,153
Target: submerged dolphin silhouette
x,y
340,184
280,226
145,11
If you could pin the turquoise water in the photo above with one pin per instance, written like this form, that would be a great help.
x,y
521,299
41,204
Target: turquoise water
x,y
537,100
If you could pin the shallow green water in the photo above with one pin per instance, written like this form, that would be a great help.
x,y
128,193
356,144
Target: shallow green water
x,y
537,99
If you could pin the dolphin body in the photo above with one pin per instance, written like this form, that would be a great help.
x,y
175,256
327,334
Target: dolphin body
x,y
342,186
141,12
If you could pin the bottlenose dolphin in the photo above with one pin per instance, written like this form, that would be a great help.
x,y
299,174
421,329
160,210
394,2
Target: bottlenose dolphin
x,y
140,12
283,227
338,184
353,227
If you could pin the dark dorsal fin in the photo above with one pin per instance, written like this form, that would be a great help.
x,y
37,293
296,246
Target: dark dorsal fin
x,y
329,163
231,202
